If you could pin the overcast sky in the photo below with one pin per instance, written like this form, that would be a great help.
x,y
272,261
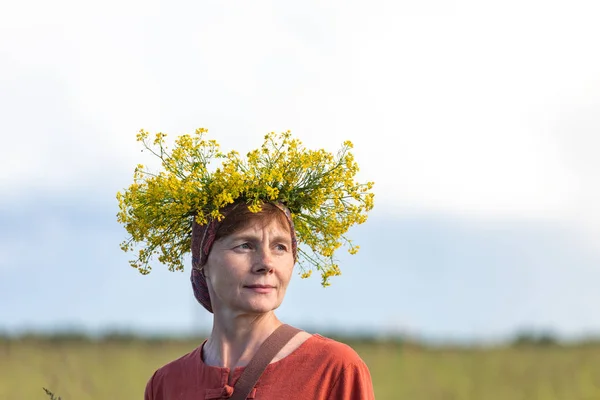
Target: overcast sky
x,y
484,114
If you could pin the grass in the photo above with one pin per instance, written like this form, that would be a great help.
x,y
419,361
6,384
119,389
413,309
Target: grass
x,y
81,370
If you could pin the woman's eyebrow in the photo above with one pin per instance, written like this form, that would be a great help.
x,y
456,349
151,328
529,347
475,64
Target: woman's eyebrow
x,y
282,238
248,237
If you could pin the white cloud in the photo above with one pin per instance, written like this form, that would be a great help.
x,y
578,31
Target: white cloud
x,y
577,130
453,106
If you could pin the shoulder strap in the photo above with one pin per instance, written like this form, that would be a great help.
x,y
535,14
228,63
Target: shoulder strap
x,y
270,347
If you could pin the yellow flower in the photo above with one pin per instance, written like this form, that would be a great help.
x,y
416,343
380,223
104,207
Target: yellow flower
x,y
318,187
306,274
272,193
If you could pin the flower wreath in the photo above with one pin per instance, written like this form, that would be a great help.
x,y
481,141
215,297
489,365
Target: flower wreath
x,y
318,188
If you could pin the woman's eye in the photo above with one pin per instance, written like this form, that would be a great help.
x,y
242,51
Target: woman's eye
x,y
281,247
244,246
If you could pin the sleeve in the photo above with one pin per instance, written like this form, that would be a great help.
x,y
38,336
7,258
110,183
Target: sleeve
x,y
354,383
149,392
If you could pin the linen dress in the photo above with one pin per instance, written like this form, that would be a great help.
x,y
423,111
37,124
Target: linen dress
x,y
321,368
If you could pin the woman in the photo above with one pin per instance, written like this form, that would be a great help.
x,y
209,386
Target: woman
x,y
242,266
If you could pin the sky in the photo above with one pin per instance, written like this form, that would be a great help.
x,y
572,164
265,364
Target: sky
x,y
478,122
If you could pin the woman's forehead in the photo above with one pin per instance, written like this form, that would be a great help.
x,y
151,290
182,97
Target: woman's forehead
x,y
272,229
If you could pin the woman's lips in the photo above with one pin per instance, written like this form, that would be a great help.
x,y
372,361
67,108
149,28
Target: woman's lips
x,y
260,288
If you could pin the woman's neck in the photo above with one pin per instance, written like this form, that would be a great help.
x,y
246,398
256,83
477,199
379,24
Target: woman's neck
x,y
234,341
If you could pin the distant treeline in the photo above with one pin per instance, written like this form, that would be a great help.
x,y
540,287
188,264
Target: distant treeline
x,y
522,338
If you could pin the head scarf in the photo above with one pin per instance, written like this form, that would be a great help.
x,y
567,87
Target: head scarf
x,y
203,237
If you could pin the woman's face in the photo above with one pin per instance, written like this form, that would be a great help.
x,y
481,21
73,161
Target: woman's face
x,y
248,271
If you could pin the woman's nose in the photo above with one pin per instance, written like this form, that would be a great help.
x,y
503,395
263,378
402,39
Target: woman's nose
x,y
264,261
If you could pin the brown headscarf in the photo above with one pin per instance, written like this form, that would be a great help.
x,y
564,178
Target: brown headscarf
x,y
203,237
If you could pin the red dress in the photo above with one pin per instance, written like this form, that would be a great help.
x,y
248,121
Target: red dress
x,y
320,368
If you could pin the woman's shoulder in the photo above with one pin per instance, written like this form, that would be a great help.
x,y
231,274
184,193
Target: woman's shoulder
x,y
183,363
176,376
323,368
331,350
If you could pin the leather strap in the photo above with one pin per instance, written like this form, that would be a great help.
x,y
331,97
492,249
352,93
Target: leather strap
x,y
270,347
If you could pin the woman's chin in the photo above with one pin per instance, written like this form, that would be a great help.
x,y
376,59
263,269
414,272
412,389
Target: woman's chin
x,y
260,306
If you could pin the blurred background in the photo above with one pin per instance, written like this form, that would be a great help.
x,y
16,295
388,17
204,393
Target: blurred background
x,y
479,122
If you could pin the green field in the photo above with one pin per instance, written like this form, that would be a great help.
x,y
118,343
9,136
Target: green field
x,y
81,370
